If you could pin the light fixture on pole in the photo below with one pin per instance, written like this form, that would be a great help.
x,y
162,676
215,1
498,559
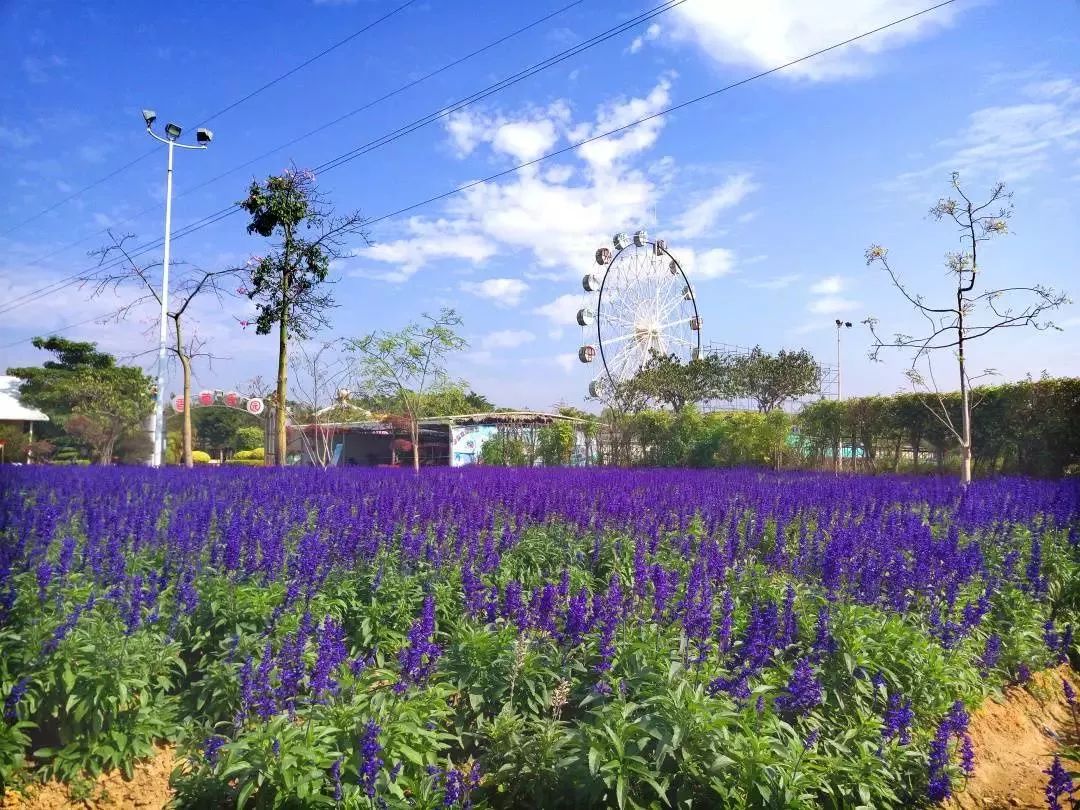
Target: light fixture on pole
x,y
840,326
172,133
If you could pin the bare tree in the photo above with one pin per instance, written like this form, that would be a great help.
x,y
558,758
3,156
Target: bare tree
x,y
318,372
952,327
192,283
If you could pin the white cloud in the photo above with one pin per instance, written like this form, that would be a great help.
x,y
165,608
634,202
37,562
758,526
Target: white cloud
x,y
551,218
702,217
708,264
428,241
651,33
775,283
506,339
526,137
830,285
768,33
503,291
826,298
562,311
602,154
1012,142
832,305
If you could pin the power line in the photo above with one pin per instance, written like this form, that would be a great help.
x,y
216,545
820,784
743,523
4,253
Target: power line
x,y
385,139
658,114
58,329
339,119
600,136
212,116
631,125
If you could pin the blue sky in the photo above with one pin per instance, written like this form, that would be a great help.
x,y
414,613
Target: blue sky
x,y
769,193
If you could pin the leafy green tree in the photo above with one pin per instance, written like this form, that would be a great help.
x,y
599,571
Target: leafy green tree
x,y
769,379
405,366
289,284
667,380
84,390
504,450
966,315
248,437
556,443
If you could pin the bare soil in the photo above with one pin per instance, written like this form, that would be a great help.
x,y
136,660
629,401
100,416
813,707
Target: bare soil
x,y
1015,739
148,789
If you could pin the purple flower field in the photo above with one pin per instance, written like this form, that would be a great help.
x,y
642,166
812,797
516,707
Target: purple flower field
x,y
511,638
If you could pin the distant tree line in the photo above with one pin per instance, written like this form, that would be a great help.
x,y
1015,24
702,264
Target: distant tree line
x,y
1030,427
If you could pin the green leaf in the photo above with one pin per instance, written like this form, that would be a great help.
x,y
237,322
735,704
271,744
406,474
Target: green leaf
x,y
245,794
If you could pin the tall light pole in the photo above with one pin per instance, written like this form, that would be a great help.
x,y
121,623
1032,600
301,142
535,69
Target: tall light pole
x,y
203,137
840,327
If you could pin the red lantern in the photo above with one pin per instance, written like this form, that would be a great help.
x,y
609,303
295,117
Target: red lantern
x,y
206,397
255,406
178,404
231,399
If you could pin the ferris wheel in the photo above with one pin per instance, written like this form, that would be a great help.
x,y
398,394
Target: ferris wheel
x,y
639,305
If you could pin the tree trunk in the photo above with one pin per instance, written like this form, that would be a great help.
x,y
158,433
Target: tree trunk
x,y
896,455
282,388
185,365
965,403
415,430
106,453
917,448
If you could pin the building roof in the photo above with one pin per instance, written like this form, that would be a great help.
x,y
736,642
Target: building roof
x,y
489,418
11,409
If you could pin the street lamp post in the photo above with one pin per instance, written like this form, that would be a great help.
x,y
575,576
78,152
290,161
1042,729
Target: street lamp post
x,y
840,326
203,137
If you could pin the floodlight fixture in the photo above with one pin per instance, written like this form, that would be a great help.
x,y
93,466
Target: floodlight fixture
x,y
149,116
203,135
173,131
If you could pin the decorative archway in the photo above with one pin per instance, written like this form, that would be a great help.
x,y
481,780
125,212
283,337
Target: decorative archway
x,y
254,406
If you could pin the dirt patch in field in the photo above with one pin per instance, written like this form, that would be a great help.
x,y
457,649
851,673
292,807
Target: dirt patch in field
x,y
148,789
1015,740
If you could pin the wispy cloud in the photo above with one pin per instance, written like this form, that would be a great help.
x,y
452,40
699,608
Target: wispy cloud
x,y
506,339
503,292
651,33
830,285
775,283
1012,142
39,69
16,137
700,218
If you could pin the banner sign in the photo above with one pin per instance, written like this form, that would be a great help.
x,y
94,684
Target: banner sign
x,y
222,399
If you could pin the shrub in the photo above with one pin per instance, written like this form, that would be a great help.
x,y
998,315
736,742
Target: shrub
x,y
200,457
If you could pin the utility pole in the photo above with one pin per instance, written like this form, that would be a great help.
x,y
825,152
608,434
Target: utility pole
x,y
840,326
172,132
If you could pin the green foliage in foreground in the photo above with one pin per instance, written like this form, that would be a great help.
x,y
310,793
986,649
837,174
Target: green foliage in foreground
x,y
524,705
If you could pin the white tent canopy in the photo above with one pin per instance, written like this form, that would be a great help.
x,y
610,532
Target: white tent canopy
x,y
11,409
